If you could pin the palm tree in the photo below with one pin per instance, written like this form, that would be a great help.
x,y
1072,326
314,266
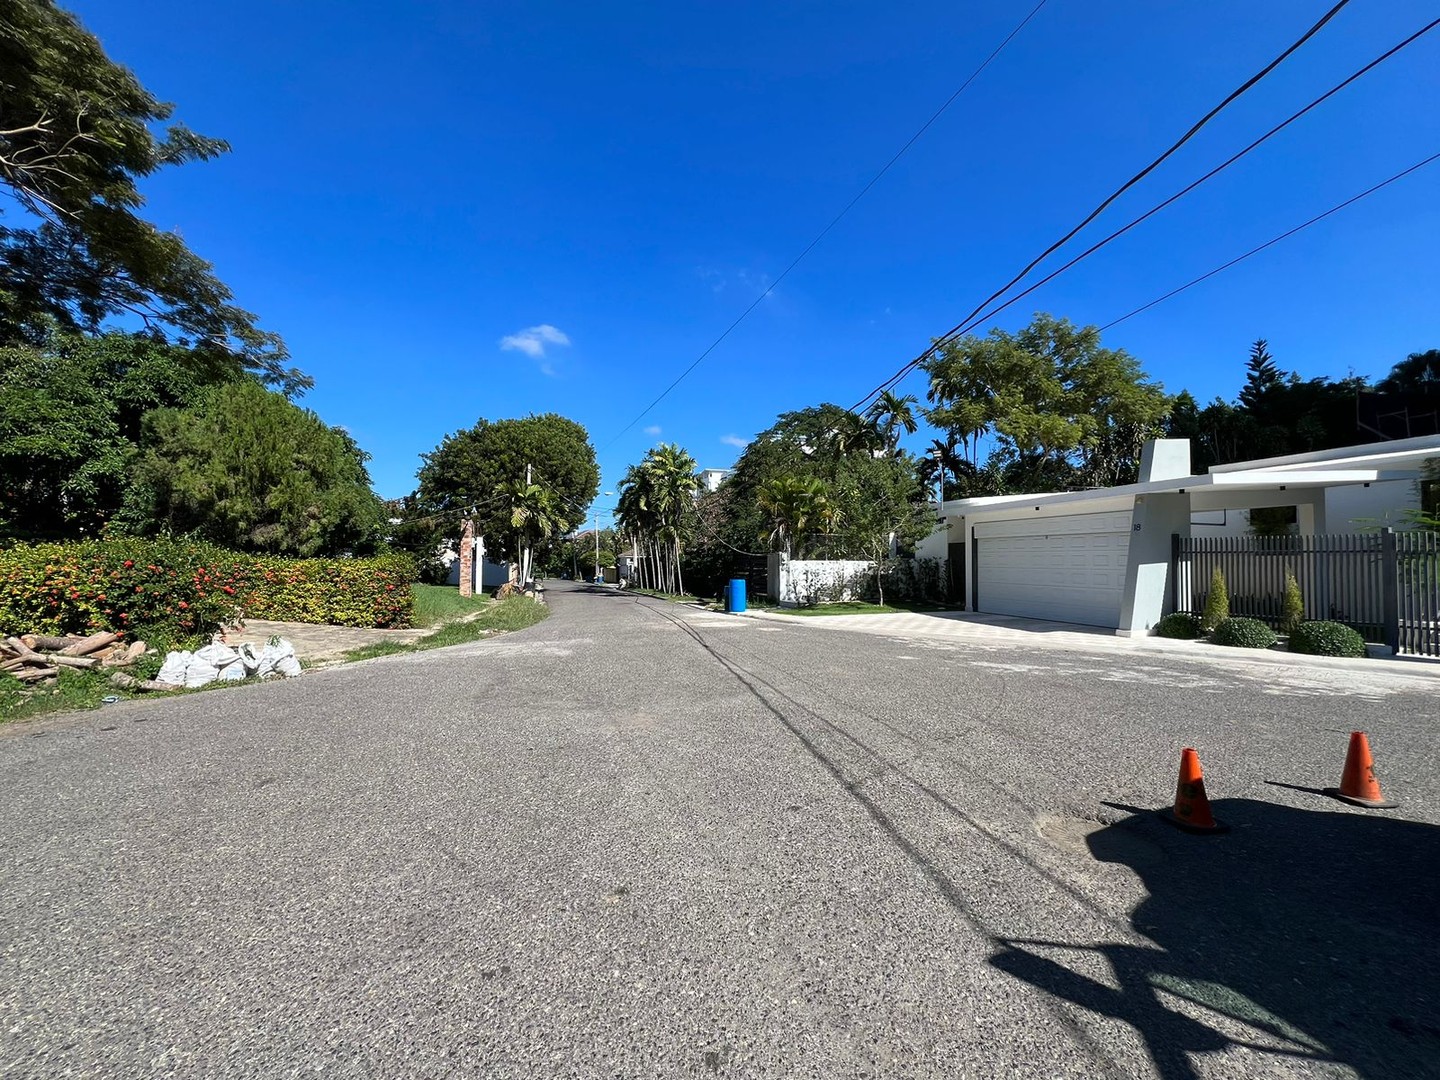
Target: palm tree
x,y
657,510
853,432
795,508
890,414
534,515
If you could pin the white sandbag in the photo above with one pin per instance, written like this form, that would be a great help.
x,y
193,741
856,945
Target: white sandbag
x,y
173,670
233,672
278,658
249,658
199,672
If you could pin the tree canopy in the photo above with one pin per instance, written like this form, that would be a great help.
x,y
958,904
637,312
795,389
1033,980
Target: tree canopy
x,y
248,469
75,140
478,471
71,411
1063,410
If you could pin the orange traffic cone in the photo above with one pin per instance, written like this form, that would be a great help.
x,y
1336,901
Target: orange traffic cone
x,y
1358,784
1192,808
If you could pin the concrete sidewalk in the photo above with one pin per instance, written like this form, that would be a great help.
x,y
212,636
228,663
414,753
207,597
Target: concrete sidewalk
x,y
315,642
990,631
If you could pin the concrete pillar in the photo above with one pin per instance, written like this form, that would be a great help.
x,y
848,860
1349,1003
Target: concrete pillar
x,y
1155,520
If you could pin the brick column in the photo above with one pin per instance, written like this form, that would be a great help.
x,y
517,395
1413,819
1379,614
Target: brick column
x,y
467,558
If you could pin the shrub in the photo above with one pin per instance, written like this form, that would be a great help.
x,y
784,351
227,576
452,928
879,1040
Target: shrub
x,y
1244,634
344,592
1179,624
180,588
1326,639
177,587
1217,602
1292,605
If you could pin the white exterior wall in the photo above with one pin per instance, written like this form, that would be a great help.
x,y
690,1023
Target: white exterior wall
x,y
1358,507
800,582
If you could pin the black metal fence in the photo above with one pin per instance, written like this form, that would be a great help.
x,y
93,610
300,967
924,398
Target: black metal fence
x,y
1385,585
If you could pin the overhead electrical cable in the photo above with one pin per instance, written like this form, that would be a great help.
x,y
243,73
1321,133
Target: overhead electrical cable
x,y
1272,242
833,222
975,320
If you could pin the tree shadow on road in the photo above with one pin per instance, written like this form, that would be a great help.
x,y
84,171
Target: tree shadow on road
x,y
1309,934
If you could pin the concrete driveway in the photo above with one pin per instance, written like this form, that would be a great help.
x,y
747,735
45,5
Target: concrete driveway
x,y
637,840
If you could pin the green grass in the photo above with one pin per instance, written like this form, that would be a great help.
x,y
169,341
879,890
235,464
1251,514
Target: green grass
x,y
77,688
73,689
497,617
436,604
678,598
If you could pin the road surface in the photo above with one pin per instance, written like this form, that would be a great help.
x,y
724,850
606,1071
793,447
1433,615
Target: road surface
x,y
640,840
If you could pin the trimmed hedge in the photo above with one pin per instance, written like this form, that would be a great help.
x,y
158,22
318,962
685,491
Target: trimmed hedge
x,y
1324,638
1179,624
1244,634
342,592
185,588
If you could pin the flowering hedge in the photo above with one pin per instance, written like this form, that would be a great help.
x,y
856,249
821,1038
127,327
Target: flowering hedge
x,y
188,588
343,592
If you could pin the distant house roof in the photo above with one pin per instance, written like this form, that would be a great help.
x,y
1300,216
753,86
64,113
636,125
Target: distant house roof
x,y
1370,463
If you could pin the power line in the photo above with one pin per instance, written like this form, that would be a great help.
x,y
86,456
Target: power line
x,y
1194,129
833,222
1271,243
971,323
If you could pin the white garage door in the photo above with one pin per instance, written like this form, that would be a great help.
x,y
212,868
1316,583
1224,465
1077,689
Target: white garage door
x,y
1067,569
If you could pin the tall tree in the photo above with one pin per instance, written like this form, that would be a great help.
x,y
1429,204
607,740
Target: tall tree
x,y
1062,408
1262,377
1418,373
71,408
75,141
472,471
892,415
250,470
657,509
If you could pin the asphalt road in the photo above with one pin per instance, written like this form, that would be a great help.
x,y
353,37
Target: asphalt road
x,y
646,841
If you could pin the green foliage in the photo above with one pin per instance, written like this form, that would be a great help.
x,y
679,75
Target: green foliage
x,y
1418,373
1064,411
796,508
184,588
1324,638
250,470
657,511
1217,602
1244,634
126,586
1180,624
1292,604
339,592
480,469
71,409
78,137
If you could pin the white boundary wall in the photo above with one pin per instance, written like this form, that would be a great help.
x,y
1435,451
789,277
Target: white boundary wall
x,y
802,582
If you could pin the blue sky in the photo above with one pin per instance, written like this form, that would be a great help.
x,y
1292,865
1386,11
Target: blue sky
x,y
453,209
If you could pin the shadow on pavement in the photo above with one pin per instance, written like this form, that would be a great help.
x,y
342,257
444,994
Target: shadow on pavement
x,y
1311,934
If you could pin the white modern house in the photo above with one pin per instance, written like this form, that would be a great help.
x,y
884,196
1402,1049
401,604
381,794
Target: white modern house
x,y
711,479
1103,557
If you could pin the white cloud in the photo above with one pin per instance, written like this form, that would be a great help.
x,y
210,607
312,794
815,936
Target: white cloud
x,y
734,440
653,429
532,342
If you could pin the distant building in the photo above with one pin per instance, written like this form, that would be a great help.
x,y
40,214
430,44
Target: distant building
x,y
711,479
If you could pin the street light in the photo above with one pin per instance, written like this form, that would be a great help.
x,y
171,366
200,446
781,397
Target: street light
x,y
597,539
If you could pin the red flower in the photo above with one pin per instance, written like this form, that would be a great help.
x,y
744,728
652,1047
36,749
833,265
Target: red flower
x,y
183,605
129,563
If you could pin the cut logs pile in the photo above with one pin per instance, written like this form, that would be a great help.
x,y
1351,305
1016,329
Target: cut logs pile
x,y
37,659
